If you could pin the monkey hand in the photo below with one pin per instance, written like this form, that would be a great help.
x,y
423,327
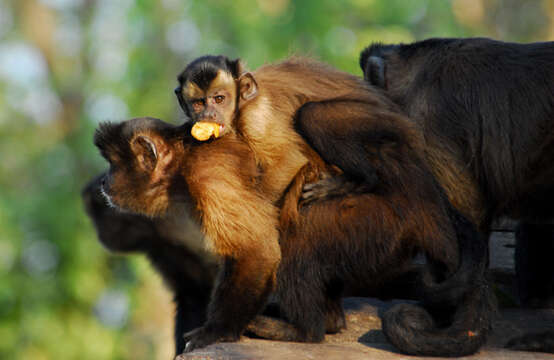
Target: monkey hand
x,y
204,130
206,335
330,187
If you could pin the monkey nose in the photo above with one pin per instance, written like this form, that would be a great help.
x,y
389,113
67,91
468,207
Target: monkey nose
x,y
208,118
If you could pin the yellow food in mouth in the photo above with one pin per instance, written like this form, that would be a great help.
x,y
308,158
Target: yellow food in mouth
x,y
203,130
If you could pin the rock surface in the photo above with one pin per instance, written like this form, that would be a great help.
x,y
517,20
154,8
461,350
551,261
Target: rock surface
x,y
364,340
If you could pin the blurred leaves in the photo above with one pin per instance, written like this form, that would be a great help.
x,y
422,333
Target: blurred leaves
x,y
66,65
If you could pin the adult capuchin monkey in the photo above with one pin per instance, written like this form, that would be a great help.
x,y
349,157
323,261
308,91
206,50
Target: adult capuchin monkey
x,y
349,246
486,108
258,109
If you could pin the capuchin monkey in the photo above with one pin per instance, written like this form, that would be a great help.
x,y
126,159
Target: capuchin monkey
x,y
354,245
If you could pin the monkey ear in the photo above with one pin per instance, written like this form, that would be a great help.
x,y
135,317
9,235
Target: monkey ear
x,y
145,152
248,87
374,71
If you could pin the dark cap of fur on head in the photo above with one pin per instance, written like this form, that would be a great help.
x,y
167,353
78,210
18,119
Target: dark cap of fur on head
x,y
203,70
113,138
108,138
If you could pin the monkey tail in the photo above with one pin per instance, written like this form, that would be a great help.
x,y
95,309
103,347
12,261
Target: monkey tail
x,y
414,329
456,314
472,266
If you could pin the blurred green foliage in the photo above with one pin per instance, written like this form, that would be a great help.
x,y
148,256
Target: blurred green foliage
x,y
65,65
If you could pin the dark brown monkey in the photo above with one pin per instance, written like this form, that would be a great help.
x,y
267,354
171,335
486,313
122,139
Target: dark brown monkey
x,y
174,246
486,108
353,245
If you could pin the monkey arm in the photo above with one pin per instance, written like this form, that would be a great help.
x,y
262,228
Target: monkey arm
x,y
241,227
331,187
353,136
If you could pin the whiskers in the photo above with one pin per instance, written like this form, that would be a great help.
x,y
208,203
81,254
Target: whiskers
x,y
108,199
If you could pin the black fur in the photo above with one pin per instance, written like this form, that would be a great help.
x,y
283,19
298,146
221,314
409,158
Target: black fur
x,y
188,275
491,105
534,251
203,70
498,103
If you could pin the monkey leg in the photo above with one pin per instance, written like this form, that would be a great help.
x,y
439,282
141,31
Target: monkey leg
x,y
190,313
534,265
304,301
310,327
318,124
242,288
335,320
303,304
271,328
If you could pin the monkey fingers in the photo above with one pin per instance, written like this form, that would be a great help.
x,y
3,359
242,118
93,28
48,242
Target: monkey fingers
x,y
204,336
331,187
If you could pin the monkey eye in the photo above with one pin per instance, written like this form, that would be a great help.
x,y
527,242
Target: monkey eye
x,y
219,99
197,105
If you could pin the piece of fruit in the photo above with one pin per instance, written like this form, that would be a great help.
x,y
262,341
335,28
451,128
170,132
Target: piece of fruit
x,y
203,130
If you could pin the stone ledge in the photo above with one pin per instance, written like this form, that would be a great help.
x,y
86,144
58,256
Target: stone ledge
x,y
364,340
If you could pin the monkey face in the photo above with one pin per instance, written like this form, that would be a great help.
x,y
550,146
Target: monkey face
x,y
144,160
211,88
214,102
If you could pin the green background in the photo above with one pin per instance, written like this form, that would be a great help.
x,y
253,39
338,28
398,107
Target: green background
x,y
66,65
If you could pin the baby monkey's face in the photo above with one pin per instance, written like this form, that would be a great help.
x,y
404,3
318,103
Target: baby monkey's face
x,y
143,154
